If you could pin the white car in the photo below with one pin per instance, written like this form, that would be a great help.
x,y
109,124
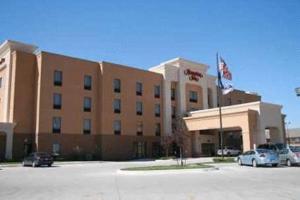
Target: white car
x,y
228,151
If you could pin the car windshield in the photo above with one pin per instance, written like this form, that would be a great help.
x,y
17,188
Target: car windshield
x,y
295,149
264,151
280,146
42,154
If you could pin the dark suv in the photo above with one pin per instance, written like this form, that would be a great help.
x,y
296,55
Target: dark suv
x,y
37,159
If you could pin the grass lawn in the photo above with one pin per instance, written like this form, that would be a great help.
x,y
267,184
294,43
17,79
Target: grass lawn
x,y
223,160
169,167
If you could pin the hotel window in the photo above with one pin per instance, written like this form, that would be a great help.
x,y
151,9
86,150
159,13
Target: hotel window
x,y
58,78
87,104
157,110
0,82
117,85
56,101
139,88
87,82
86,126
117,127
193,97
117,106
139,130
173,112
173,94
157,129
56,148
139,108
157,91
56,124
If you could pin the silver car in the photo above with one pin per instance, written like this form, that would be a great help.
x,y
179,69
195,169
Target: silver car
x,y
290,156
258,157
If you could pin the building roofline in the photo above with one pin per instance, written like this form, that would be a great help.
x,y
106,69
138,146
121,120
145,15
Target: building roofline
x,y
178,59
19,46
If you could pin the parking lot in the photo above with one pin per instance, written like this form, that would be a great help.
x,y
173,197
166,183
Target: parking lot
x,y
102,180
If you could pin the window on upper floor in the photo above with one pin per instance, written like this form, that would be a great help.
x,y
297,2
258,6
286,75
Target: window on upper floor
x,y
87,104
193,97
117,85
139,129
56,124
57,101
87,124
173,112
139,89
87,82
139,108
157,110
58,78
173,94
117,106
117,127
157,129
157,91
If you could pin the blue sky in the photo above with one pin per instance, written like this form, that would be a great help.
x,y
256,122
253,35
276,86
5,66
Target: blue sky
x,y
259,39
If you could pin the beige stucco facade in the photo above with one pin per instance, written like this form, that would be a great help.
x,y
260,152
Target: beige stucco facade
x,y
27,108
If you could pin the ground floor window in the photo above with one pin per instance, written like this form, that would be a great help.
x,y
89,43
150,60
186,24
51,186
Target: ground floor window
x,y
140,149
56,148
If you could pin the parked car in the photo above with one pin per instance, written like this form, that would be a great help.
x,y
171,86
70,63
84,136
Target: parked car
x,y
290,156
229,151
38,159
259,157
268,146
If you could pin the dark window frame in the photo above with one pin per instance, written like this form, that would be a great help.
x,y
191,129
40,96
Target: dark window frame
x,y
85,81
139,88
58,73
117,132
139,112
173,94
117,110
157,91
57,106
87,131
117,87
56,130
85,108
157,114
193,98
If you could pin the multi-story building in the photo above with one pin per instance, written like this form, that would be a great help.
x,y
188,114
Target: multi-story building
x,y
72,106
293,136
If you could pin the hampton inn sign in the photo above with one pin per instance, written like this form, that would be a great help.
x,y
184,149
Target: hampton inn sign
x,y
193,76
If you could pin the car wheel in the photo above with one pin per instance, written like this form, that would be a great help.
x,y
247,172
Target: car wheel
x,y
240,162
288,163
254,163
34,164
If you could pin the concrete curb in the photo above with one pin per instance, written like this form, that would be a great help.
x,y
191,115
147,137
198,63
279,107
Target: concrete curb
x,y
162,172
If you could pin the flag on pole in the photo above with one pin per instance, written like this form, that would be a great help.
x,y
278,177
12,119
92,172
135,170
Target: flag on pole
x,y
224,69
224,72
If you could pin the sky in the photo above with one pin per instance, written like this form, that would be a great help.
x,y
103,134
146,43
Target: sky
x,y
259,39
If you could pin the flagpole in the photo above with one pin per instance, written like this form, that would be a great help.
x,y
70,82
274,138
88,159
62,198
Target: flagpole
x,y
220,105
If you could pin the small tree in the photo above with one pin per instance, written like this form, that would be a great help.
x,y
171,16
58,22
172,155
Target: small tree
x,y
165,142
180,136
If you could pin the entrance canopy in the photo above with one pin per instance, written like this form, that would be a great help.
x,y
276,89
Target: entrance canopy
x,y
252,118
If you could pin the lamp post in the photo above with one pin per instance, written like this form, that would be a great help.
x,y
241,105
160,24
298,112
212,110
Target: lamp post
x,y
297,90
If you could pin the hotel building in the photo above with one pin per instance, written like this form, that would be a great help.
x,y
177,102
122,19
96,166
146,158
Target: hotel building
x,y
71,106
